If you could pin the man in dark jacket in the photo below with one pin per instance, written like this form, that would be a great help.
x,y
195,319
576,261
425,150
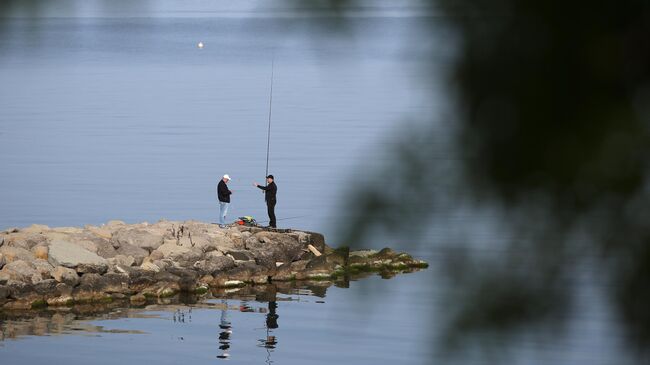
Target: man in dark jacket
x,y
270,191
223,194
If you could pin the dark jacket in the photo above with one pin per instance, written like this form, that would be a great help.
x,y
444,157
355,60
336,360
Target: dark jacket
x,y
223,193
269,192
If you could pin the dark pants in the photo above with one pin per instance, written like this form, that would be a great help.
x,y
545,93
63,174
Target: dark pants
x,y
270,207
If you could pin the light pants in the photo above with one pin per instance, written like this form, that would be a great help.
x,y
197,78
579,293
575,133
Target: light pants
x,y
223,210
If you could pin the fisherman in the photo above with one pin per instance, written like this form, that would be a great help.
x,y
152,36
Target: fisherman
x,y
269,195
223,194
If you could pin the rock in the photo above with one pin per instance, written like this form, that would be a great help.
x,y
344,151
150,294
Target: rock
x,y
115,283
139,238
138,299
25,240
362,253
36,228
115,223
44,268
289,271
16,254
2,260
91,242
4,291
63,289
129,250
183,256
214,265
67,230
164,264
274,247
65,275
188,259
150,266
121,260
171,249
241,255
92,268
45,287
60,301
40,252
21,271
212,254
156,255
100,232
66,254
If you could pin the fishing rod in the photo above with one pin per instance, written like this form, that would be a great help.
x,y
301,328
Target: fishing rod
x,y
284,219
268,135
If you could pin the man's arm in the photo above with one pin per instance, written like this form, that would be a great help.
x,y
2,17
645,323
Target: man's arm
x,y
260,186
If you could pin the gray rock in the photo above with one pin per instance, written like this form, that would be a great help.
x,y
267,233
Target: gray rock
x,y
65,275
129,250
90,283
150,266
25,240
63,289
171,249
139,238
241,255
92,268
45,287
183,256
67,254
274,247
12,253
362,253
21,271
4,291
214,265
115,283
121,260
44,268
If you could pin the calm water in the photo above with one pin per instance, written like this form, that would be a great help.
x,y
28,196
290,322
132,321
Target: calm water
x,y
125,118
315,325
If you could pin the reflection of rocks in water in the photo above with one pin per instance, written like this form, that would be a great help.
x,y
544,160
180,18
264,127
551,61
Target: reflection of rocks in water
x,y
67,320
47,323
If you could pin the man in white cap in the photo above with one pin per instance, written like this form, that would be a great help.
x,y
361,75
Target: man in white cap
x,y
223,194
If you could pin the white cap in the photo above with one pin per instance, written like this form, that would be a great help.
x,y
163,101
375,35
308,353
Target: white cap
x,y
226,176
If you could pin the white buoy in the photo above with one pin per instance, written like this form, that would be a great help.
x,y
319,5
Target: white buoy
x,y
200,45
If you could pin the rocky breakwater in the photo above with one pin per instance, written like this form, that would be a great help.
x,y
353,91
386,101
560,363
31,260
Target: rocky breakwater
x,y
54,267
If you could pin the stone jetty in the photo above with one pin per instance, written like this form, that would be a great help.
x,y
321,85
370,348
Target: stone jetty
x,y
66,266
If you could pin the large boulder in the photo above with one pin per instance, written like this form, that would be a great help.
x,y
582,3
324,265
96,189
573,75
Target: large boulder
x,y
65,275
273,246
214,265
137,253
67,254
21,271
102,232
25,240
12,253
35,228
137,237
44,268
121,260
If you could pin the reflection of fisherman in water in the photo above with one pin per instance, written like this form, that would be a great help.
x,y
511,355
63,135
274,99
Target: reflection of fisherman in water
x,y
271,319
271,323
226,331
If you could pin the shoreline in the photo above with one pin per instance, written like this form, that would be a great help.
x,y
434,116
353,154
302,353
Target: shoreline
x,y
117,262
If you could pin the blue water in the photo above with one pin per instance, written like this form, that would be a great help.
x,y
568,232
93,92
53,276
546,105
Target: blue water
x,y
125,118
